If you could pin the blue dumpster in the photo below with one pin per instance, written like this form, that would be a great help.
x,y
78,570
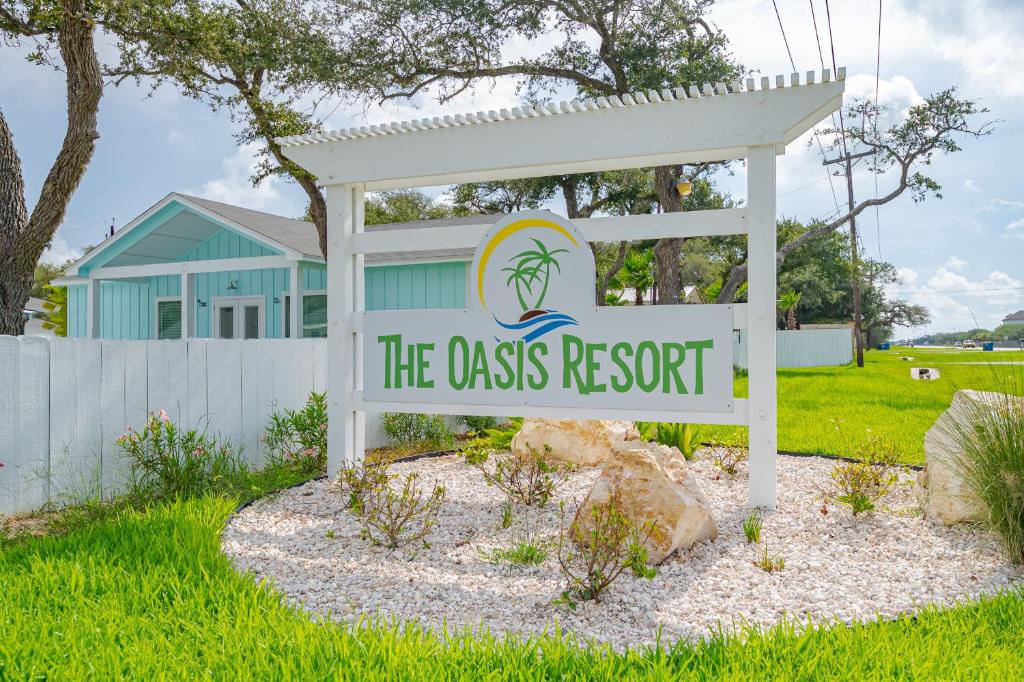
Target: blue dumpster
x,y
883,346
988,345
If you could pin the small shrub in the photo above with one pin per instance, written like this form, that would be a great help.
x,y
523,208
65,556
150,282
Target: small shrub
x,y
394,518
479,424
506,515
500,437
520,553
166,461
298,438
768,562
989,459
592,557
685,437
361,481
752,527
860,484
728,458
330,534
426,430
530,478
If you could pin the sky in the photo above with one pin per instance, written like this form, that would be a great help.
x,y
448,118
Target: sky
x,y
961,256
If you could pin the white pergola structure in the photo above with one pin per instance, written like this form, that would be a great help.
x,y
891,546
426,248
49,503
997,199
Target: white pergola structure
x,y
752,120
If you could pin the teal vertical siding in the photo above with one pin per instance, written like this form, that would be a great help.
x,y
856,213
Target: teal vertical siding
x,y
408,287
76,310
314,277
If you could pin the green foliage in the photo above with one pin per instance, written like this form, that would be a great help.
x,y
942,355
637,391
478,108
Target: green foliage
x,y
500,437
990,460
862,483
404,206
426,430
298,438
685,437
139,593
595,550
361,481
395,518
728,457
529,479
638,273
506,515
56,307
166,461
769,563
752,526
479,424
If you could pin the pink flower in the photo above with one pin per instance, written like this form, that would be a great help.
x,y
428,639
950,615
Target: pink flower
x,y
163,417
198,451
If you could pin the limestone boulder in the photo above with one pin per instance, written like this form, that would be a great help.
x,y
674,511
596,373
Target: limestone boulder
x,y
944,493
583,443
652,485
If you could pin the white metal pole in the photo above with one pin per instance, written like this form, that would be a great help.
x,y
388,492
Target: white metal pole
x,y
343,217
761,360
359,306
295,311
92,309
188,305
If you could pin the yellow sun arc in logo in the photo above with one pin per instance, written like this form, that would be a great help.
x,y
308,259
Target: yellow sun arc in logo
x,y
506,232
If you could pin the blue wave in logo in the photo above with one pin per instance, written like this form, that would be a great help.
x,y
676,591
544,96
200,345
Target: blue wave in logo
x,y
540,325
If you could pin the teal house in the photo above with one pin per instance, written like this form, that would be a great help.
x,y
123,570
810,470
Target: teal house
x,y
195,268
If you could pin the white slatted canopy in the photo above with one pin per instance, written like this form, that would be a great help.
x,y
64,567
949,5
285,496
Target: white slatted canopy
x,y
673,126
754,120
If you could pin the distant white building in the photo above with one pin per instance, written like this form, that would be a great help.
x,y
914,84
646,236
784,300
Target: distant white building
x,y
34,316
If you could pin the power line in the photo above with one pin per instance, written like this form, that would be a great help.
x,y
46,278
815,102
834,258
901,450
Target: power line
x,y
955,291
792,63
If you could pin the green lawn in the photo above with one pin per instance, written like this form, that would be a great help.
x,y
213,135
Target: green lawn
x,y
881,397
148,595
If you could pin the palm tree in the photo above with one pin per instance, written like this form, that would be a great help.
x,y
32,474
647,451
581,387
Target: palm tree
x,y
532,266
787,304
637,273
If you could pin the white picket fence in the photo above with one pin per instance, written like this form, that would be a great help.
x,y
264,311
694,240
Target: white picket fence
x,y
802,348
64,403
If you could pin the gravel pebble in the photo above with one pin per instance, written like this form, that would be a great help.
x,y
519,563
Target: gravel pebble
x,y
837,566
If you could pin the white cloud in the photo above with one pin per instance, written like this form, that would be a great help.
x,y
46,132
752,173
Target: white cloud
x,y
1016,228
908,276
958,302
60,251
969,186
1003,205
234,187
955,263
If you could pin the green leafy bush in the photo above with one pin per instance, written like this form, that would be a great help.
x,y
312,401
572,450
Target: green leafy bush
x,y
361,481
479,424
861,483
298,438
526,478
593,555
752,526
989,460
394,518
500,437
166,461
686,437
427,430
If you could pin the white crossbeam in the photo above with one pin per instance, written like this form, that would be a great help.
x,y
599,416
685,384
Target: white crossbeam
x,y
192,267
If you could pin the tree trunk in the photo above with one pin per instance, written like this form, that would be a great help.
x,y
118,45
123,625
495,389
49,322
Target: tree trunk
x,y
666,251
791,319
854,259
23,237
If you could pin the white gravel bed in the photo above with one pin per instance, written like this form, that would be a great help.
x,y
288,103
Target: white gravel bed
x,y
837,567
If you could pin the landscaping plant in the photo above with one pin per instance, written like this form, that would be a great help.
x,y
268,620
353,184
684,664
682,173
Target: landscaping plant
x,y
685,437
861,483
530,478
500,437
506,515
394,518
989,459
166,461
298,438
479,424
593,555
752,526
527,548
361,481
768,562
728,457
428,431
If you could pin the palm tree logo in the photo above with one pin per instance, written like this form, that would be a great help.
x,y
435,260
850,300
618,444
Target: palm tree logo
x,y
531,269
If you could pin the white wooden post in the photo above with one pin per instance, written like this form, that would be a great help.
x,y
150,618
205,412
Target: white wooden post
x,y
344,219
295,311
188,306
761,253
92,309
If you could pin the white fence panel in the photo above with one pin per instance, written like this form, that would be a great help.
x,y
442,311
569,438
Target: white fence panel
x,y
802,348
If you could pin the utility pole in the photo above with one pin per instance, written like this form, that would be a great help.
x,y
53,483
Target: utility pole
x,y
854,255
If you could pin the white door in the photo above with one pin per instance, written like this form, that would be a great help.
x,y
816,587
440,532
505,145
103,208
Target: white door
x,y
238,318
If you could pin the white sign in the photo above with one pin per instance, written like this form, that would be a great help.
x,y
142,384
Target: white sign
x,y
533,336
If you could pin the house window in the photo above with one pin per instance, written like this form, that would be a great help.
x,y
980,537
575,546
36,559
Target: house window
x,y
314,316
168,319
